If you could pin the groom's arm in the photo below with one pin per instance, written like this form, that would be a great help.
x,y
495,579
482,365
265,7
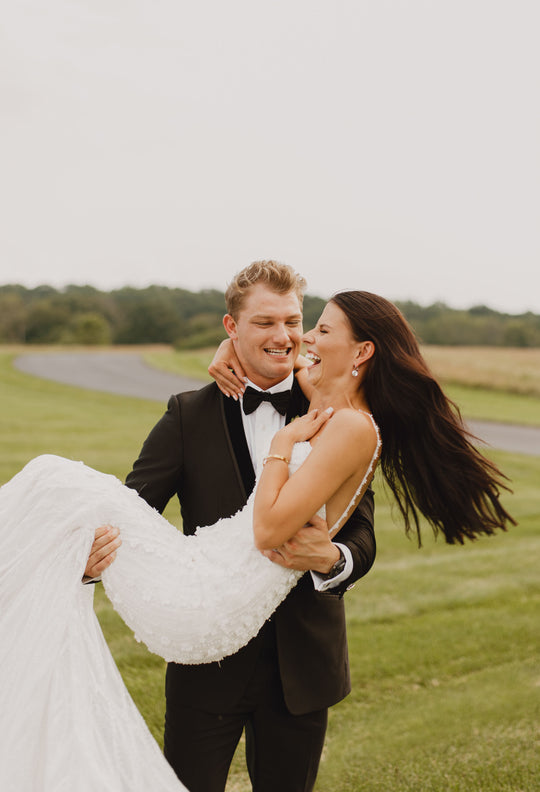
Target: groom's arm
x,y
103,552
358,534
154,475
312,550
158,468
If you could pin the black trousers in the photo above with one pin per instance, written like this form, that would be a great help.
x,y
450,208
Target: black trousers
x,y
283,751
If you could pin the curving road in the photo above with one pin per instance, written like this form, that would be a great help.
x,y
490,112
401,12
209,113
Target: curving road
x,y
125,373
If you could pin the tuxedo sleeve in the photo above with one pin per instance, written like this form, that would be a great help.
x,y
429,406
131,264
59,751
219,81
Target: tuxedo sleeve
x,y
158,469
359,536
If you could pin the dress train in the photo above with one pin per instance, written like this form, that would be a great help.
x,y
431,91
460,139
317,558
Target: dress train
x,y
67,721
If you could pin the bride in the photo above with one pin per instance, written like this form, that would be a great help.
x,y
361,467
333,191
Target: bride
x,y
66,719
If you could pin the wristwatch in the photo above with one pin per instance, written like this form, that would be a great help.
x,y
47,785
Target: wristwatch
x,y
338,567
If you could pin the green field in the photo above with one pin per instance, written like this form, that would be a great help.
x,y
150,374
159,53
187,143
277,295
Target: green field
x,y
444,641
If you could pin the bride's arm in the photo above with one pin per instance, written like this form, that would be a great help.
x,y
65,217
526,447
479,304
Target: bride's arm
x,y
227,370
229,375
300,369
344,450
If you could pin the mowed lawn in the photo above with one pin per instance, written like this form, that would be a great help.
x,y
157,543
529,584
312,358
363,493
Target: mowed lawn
x,y
444,641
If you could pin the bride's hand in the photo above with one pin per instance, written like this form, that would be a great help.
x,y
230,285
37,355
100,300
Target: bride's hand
x,y
307,426
230,383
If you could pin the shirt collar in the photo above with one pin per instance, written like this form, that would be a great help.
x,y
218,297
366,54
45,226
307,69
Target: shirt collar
x,y
285,384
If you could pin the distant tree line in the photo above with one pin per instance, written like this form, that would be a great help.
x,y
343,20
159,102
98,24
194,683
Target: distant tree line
x,y
158,314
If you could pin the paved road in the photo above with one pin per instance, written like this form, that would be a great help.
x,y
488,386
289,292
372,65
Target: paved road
x,y
122,373
126,373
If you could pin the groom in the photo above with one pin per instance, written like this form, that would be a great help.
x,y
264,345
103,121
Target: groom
x,y
206,449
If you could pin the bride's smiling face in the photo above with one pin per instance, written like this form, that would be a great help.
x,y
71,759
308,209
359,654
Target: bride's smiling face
x,y
332,349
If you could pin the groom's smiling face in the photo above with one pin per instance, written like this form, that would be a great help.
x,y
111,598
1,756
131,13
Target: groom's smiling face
x,y
267,334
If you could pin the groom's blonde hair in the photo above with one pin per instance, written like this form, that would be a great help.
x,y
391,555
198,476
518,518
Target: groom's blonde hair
x,y
279,277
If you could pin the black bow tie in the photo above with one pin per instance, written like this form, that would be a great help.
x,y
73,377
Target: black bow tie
x,y
252,398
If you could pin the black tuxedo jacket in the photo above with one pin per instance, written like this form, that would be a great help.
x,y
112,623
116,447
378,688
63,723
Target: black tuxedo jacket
x,y
198,451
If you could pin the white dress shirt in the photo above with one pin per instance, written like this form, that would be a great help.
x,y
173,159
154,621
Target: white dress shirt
x,y
260,426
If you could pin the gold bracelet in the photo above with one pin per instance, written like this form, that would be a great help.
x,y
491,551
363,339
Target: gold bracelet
x,y
275,456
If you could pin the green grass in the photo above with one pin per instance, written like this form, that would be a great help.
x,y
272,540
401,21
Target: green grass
x,y
444,641
39,416
445,645
493,405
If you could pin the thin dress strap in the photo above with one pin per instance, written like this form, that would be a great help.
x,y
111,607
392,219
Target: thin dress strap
x,y
365,481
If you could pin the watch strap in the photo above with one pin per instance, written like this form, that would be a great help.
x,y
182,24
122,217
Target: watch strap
x,y
337,567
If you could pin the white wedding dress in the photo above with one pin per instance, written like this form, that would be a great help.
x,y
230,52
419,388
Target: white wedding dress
x,y
67,721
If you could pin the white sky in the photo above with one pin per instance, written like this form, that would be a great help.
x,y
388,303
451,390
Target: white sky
x,y
387,145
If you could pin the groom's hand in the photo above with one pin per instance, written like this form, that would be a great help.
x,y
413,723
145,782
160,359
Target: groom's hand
x,y
103,551
311,549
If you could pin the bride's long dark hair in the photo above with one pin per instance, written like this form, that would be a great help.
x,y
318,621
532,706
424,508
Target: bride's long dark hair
x,y
428,456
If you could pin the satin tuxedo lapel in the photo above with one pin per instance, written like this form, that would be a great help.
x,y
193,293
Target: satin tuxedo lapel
x,y
298,404
235,428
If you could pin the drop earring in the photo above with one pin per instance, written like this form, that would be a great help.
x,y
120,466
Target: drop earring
x,y
355,372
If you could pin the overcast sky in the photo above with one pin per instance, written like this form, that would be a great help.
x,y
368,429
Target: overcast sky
x,y
387,145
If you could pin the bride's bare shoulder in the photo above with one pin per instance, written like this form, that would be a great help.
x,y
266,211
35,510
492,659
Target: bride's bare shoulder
x,y
355,426
358,420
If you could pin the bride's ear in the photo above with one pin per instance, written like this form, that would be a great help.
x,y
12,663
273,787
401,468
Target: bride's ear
x,y
366,351
230,327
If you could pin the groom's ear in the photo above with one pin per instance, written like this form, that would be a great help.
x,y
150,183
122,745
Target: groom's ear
x,y
230,327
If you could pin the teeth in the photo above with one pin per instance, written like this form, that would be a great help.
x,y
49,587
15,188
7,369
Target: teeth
x,y
313,357
284,351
